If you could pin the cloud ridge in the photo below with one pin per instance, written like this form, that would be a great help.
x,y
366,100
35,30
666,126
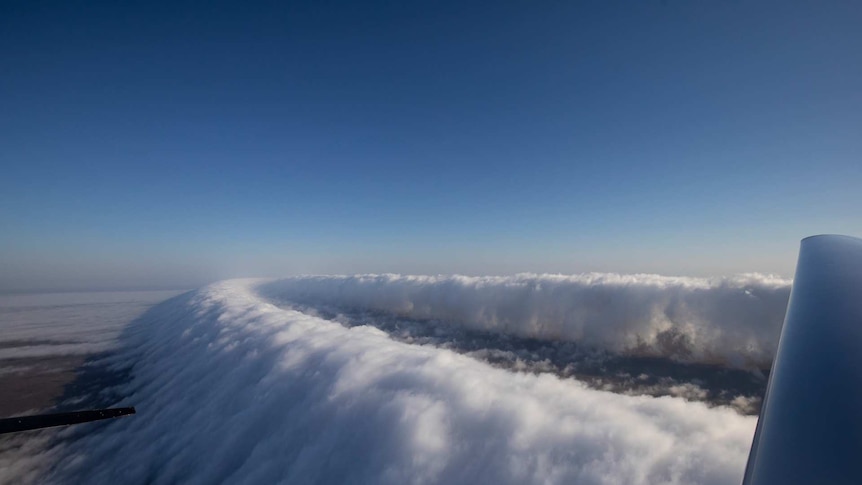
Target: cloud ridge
x,y
734,321
231,388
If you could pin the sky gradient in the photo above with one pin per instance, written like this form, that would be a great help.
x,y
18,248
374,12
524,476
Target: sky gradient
x,y
172,144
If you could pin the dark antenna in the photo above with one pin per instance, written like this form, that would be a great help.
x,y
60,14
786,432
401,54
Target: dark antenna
x,y
27,423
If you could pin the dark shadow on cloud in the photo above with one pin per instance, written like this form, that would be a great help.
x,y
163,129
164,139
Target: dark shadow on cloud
x,y
100,380
626,374
732,321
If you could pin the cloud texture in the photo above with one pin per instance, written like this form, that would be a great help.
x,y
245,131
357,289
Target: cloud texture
x,y
231,388
735,321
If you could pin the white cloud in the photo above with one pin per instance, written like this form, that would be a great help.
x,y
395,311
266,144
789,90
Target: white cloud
x,y
230,388
735,321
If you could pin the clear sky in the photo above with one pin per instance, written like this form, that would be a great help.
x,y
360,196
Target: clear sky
x,y
158,144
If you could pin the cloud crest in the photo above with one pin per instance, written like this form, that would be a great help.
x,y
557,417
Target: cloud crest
x,y
734,321
232,388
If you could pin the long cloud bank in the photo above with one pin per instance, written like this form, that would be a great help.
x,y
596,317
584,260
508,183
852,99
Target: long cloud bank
x,y
231,388
733,321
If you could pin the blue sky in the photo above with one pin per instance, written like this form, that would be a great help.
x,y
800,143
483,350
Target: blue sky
x,y
170,144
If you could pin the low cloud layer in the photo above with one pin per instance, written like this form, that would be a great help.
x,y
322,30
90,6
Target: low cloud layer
x,y
53,324
231,388
734,321
598,368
